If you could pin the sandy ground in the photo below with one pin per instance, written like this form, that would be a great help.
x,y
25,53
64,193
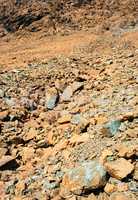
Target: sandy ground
x,y
18,52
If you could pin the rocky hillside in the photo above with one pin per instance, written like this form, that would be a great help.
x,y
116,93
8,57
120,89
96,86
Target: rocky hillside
x,y
65,15
69,126
68,102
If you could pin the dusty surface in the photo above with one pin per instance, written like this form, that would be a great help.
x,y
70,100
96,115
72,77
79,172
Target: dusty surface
x,y
20,52
69,106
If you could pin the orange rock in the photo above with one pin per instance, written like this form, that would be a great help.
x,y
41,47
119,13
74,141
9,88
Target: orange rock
x,y
105,154
78,139
2,152
27,153
31,134
103,196
133,133
58,197
3,114
110,188
122,187
136,172
52,137
89,175
2,190
31,124
101,119
92,197
46,153
20,186
17,198
66,154
64,119
61,145
119,168
119,196
126,151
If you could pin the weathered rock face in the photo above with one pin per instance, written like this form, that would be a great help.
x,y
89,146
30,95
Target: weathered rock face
x,y
119,168
88,176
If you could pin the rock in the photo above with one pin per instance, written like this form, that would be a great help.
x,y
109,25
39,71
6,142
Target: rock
x,y
70,90
42,144
51,98
60,85
3,115
111,128
6,159
136,172
110,188
27,153
119,168
92,197
105,154
78,139
119,196
47,185
126,150
89,175
1,93
101,119
116,185
20,186
103,196
78,119
28,103
11,102
133,186
64,119
132,133
3,151
2,189
31,134
10,187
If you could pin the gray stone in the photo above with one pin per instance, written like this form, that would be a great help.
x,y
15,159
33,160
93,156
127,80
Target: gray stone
x,y
50,185
111,128
76,119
